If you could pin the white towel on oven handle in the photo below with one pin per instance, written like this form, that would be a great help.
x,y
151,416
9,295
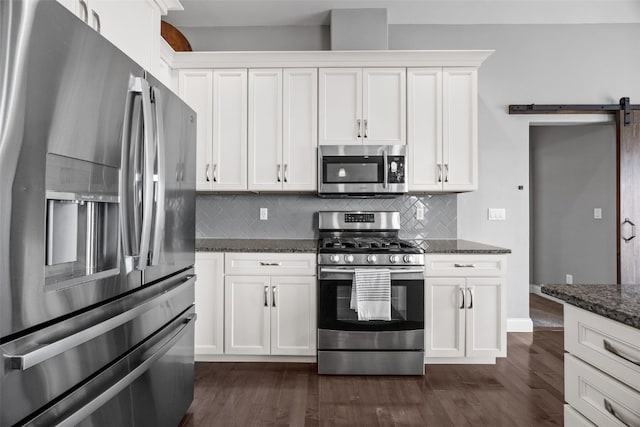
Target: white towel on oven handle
x,y
371,294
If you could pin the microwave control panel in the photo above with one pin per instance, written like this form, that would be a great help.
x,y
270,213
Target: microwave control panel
x,y
396,169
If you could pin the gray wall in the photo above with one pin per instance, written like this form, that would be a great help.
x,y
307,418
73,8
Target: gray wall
x,y
359,29
531,64
294,216
289,37
573,171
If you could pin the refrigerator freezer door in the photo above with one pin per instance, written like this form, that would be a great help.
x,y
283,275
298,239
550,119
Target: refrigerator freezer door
x,y
173,231
63,93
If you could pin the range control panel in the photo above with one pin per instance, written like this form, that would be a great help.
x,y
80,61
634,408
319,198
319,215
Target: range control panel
x,y
359,217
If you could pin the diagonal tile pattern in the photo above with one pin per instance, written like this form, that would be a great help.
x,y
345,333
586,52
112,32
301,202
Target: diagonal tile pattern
x,y
294,216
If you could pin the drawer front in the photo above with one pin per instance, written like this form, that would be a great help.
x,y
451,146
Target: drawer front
x,y
573,418
281,264
608,345
465,265
600,398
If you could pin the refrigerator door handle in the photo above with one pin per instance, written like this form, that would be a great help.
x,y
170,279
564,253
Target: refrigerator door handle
x,y
124,382
40,354
147,177
159,178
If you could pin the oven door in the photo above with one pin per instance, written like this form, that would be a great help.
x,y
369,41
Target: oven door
x,y
363,170
338,324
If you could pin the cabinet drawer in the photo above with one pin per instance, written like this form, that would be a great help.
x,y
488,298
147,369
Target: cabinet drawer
x,y
464,265
608,345
573,418
260,263
600,398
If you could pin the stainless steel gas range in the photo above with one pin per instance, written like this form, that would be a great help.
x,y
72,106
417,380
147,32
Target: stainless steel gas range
x,y
367,244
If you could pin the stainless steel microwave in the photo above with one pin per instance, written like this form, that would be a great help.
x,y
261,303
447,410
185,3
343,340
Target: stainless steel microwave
x,y
362,170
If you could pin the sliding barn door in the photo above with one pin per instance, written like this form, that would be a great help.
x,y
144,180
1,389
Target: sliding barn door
x,y
629,198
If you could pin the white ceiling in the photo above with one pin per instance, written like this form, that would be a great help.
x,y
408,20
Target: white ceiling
x,y
224,13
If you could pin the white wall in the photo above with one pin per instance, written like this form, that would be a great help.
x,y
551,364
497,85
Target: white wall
x,y
532,64
573,171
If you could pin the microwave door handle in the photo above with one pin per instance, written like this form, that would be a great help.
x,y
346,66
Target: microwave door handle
x,y
386,169
159,178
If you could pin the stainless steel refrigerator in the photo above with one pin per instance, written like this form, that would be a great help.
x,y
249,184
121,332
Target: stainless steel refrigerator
x,y
97,229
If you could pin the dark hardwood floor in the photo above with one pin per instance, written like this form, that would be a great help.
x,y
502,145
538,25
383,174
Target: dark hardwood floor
x,y
545,313
525,389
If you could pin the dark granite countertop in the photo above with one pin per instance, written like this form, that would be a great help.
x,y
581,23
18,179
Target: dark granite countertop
x,y
433,246
617,302
257,245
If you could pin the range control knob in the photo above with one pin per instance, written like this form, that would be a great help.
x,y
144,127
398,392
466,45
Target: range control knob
x,y
371,259
394,259
348,258
408,259
334,258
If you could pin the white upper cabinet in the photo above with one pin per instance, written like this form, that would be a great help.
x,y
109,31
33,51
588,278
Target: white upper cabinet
x,y
384,106
442,122
132,25
229,147
265,130
282,129
460,128
196,89
300,129
219,97
362,105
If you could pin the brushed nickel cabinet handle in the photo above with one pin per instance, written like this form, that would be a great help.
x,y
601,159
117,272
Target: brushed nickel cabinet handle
x,y
206,173
470,306
84,11
215,167
446,172
611,349
366,128
462,293
456,265
270,264
278,173
439,172
96,20
609,407
286,178
266,296
359,126
273,297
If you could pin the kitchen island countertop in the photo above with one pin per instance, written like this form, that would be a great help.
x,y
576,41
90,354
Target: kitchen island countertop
x,y
617,302
431,246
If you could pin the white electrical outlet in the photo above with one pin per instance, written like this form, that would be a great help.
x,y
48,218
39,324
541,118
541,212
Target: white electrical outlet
x,y
497,214
569,279
264,214
419,212
597,213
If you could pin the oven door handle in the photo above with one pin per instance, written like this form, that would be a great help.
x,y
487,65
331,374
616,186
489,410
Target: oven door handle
x,y
393,271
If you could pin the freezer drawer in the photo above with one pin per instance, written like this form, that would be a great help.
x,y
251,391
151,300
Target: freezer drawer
x,y
48,363
152,385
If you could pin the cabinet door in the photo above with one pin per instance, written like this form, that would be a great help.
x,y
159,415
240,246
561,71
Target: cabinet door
x,y
384,106
424,124
300,129
209,293
340,103
133,26
229,160
293,316
460,129
486,328
246,314
196,89
265,130
444,317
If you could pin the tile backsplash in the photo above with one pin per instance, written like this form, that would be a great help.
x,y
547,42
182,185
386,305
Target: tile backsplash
x,y
294,216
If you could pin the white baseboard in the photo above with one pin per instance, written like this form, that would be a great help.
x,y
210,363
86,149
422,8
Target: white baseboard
x,y
519,324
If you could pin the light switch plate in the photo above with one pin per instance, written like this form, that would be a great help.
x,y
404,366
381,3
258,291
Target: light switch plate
x,y
419,212
497,214
264,214
597,213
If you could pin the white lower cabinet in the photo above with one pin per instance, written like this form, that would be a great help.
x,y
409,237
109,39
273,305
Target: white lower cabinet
x,y
601,370
270,315
464,315
209,289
